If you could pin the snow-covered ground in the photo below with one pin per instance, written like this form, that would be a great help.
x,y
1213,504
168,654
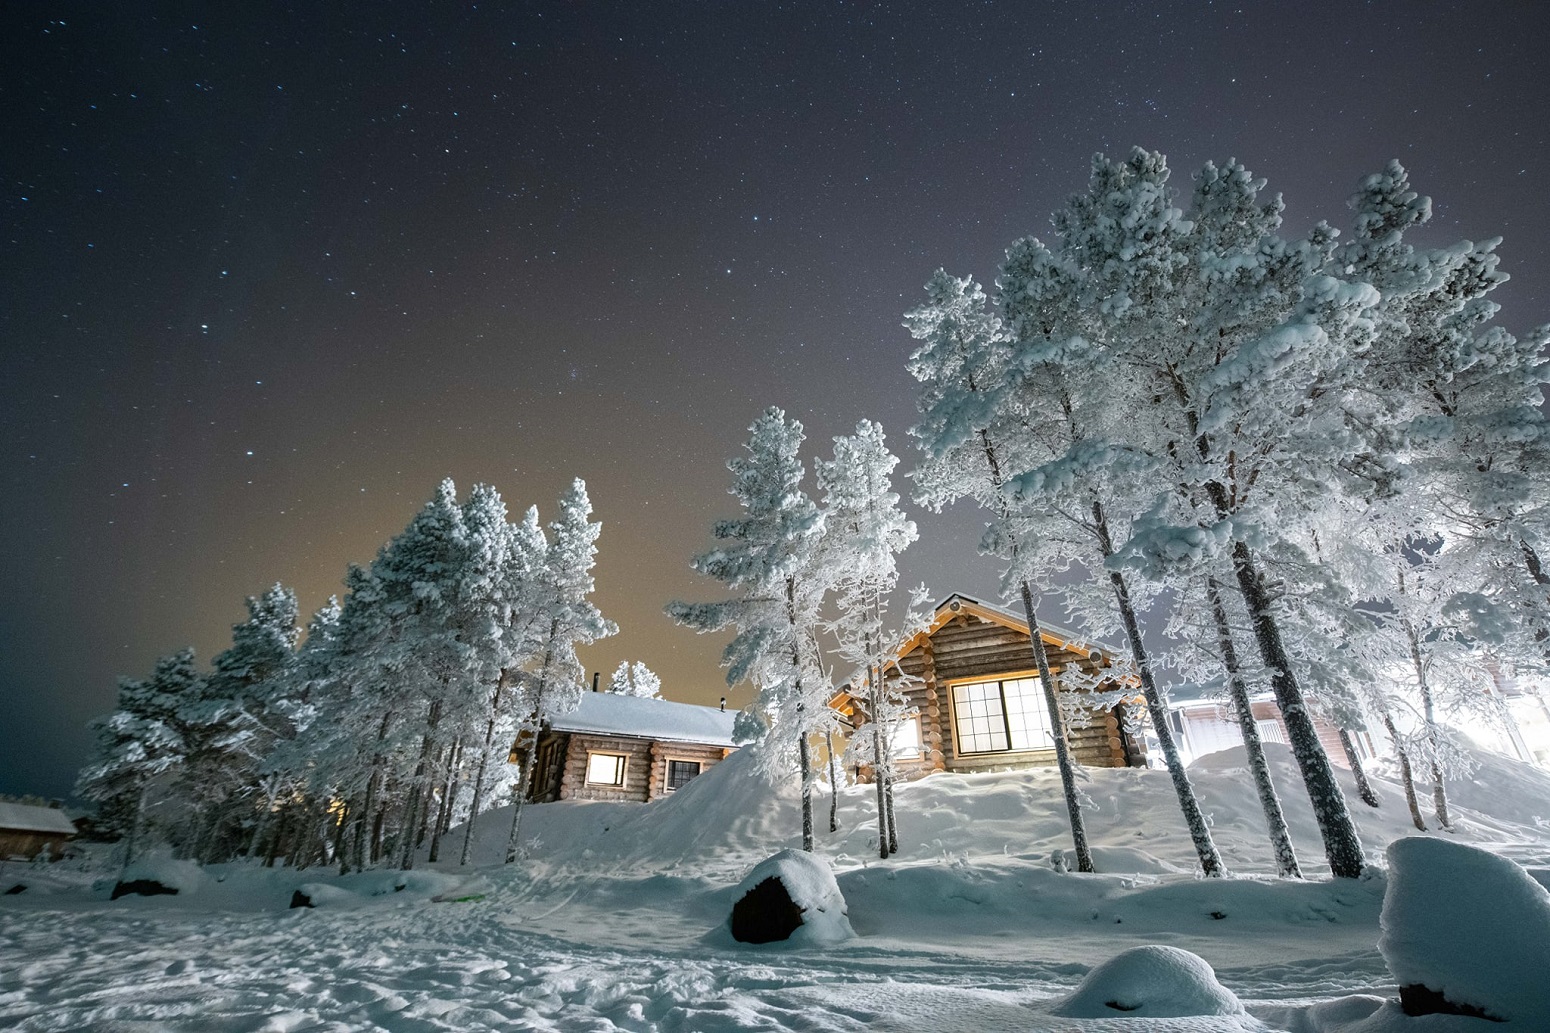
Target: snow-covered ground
x,y
616,921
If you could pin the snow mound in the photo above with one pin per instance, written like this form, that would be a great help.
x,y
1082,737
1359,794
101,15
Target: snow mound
x,y
1468,924
812,891
1152,981
183,876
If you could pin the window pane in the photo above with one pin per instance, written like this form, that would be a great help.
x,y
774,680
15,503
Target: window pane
x,y
906,738
679,772
977,710
1027,714
605,769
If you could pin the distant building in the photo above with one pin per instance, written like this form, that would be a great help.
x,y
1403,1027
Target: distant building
x,y
28,828
626,748
977,704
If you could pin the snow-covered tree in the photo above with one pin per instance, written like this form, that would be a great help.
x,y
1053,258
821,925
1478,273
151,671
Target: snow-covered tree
x,y
769,560
970,427
139,744
554,684
635,680
865,531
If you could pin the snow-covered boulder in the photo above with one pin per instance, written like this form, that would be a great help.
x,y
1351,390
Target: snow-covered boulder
x,y
157,874
1152,982
1466,931
791,895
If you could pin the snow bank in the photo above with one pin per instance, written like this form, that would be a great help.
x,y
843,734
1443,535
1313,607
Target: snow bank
x,y
1471,925
812,890
1150,982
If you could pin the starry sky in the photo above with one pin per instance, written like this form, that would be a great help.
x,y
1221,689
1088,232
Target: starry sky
x,y
268,272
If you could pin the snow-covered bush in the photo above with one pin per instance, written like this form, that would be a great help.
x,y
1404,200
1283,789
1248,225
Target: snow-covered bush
x,y
1151,981
804,885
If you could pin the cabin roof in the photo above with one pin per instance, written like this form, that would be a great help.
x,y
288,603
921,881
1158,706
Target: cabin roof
x,y
26,817
609,713
1063,638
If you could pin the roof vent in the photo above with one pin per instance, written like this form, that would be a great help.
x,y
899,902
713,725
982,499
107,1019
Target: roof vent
x,y
955,606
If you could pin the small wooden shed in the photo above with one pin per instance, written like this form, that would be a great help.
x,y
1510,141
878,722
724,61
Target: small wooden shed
x,y
977,701
27,828
626,748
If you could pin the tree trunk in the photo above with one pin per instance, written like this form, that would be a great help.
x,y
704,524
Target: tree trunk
x,y
1084,856
444,812
1269,800
419,787
1429,709
834,784
878,774
484,762
1199,832
893,825
525,774
135,819
1342,845
1364,787
1406,776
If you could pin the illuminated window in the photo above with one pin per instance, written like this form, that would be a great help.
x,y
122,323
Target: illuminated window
x,y
605,769
679,772
906,738
1002,716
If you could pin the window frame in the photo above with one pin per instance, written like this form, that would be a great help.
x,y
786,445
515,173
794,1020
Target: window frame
x,y
623,764
667,772
998,680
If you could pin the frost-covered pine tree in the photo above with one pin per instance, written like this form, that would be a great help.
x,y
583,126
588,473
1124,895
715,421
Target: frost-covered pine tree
x,y
865,531
970,426
553,686
139,745
520,548
635,680
769,560
1076,488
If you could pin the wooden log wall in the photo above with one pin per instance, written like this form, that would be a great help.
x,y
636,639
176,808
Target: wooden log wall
x,y
662,752
969,647
637,768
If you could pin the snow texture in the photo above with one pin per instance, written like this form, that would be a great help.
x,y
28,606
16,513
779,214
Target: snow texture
x,y
611,713
604,926
1471,925
1152,981
811,886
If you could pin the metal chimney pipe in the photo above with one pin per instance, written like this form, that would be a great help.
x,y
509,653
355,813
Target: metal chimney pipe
x,y
723,703
595,676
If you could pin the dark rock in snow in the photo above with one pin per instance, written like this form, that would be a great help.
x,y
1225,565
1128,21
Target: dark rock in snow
x,y
790,896
140,887
19,887
765,914
1415,999
300,899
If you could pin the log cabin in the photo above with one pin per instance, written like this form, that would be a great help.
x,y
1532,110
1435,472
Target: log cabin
x,y
27,828
625,748
977,704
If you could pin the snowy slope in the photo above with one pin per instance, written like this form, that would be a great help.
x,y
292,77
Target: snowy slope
x,y
616,919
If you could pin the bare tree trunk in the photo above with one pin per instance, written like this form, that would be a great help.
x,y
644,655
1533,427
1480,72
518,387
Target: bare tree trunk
x,y
419,788
1429,709
893,825
444,812
1194,819
1269,799
484,761
1406,777
1364,787
879,776
1084,855
1342,845
834,784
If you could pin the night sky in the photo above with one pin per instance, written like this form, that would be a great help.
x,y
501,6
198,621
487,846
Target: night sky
x,y
267,275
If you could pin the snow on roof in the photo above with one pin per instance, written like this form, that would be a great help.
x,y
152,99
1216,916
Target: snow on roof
x,y
613,714
26,817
